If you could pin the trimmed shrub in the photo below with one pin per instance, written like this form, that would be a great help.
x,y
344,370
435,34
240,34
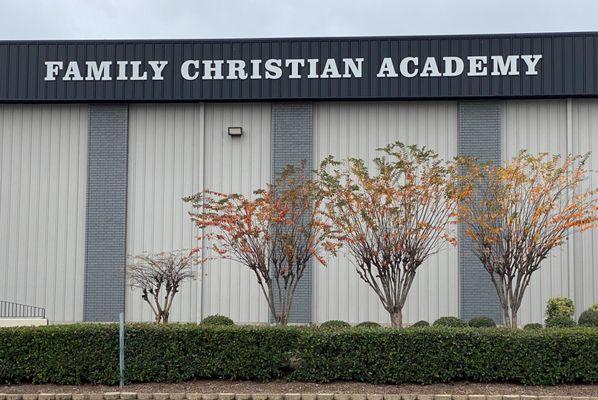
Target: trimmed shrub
x,y
420,324
217,320
368,324
589,318
482,322
88,353
559,307
76,354
533,326
451,322
441,355
560,321
333,324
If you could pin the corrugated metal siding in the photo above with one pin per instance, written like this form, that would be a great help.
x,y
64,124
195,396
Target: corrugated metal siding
x,y
240,165
43,175
585,139
567,68
539,126
165,164
357,129
177,150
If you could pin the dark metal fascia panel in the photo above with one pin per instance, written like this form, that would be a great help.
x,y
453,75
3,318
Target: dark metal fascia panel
x,y
569,68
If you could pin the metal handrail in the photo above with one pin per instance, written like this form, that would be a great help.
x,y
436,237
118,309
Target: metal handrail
x,y
10,309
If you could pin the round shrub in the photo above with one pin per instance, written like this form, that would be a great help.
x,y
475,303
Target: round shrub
x,y
593,307
482,322
217,320
420,324
589,318
533,326
560,322
452,322
369,324
335,324
559,307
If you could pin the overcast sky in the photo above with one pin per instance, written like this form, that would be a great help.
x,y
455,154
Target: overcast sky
x,y
130,19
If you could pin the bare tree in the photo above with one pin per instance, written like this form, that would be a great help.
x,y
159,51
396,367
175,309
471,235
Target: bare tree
x,y
159,276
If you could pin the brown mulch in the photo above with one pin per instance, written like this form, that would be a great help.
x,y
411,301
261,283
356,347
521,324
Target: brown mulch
x,y
224,386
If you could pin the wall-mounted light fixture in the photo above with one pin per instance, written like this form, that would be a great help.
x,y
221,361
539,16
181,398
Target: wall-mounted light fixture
x,y
235,131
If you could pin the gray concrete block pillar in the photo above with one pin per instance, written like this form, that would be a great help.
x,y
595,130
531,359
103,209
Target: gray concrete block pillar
x,y
292,143
480,137
106,215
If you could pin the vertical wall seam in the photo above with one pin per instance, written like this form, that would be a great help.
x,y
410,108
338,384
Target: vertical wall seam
x,y
570,244
202,148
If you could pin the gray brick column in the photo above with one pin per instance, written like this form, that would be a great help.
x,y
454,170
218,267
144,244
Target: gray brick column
x,y
291,144
480,137
105,241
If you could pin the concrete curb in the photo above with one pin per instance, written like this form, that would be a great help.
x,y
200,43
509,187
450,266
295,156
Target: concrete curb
x,y
273,396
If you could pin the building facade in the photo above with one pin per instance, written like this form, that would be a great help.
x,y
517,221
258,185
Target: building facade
x,y
100,140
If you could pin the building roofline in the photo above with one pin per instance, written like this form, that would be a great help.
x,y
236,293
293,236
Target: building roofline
x,y
310,39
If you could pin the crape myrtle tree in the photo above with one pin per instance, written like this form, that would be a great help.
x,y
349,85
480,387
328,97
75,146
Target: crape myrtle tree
x,y
275,233
159,276
520,212
391,220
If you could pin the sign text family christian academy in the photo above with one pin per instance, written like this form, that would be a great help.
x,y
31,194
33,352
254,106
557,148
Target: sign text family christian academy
x,y
294,68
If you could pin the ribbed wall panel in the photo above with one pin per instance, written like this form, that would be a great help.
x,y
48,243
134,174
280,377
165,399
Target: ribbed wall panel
x,y
43,175
235,165
539,126
165,164
585,139
177,150
356,130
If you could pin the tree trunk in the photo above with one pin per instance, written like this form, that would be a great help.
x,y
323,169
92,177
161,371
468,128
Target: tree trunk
x,y
510,315
506,316
396,318
513,318
165,316
509,312
281,319
514,321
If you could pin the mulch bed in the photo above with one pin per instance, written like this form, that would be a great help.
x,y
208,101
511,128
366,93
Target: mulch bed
x,y
224,386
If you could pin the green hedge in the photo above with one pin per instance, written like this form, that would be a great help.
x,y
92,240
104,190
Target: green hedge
x,y
154,353
89,353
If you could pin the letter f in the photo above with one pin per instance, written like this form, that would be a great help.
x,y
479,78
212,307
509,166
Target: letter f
x,y
52,68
